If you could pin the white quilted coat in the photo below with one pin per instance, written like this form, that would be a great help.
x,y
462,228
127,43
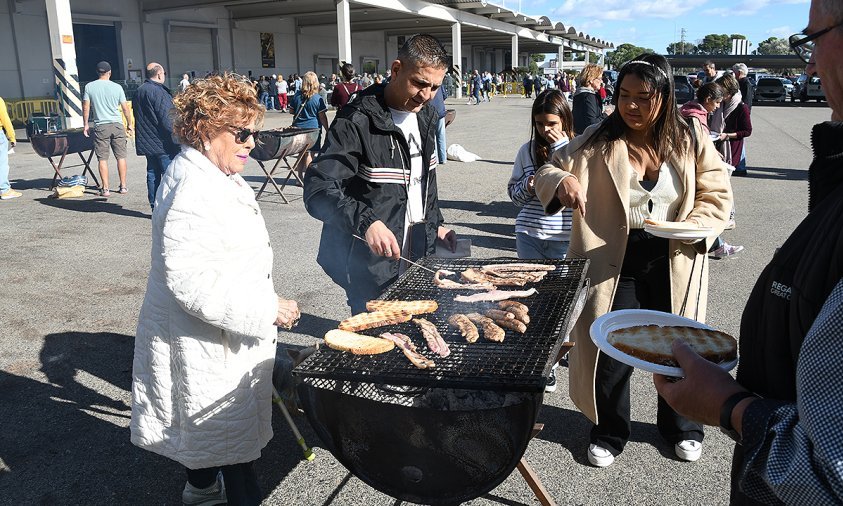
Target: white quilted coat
x,y
205,345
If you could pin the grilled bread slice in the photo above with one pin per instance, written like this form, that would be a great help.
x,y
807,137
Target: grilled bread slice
x,y
410,306
374,319
357,344
652,343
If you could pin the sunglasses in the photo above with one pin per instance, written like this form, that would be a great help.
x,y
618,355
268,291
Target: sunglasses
x,y
804,46
241,135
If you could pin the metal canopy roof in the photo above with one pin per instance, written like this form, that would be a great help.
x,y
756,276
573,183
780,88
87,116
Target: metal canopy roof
x,y
536,34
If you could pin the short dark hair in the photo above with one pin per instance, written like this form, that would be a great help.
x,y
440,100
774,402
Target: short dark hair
x,y
153,71
423,50
709,63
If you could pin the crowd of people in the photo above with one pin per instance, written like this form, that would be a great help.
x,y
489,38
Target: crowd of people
x,y
586,181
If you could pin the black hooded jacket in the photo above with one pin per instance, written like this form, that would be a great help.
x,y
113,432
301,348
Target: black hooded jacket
x,y
792,288
361,177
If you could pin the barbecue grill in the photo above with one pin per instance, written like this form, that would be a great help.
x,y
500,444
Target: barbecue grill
x,y
61,144
280,144
453,433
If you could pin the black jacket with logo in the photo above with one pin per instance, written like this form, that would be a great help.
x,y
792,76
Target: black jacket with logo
x,y
361,177
791,290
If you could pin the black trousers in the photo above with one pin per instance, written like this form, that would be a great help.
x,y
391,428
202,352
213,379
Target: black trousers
x,y
644,284
241,482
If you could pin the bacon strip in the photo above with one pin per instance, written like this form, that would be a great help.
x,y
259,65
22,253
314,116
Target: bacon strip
x,y
406,345
495,295
434,339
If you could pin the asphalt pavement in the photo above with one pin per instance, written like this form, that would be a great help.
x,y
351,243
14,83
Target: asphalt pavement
x,y
74,275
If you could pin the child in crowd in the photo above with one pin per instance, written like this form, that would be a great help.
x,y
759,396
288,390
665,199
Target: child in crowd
x,y
538,236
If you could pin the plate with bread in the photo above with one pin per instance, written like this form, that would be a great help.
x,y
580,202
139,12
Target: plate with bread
x,y
642,339
680,230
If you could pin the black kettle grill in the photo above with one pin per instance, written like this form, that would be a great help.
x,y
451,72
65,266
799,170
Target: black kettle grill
x,y
453,433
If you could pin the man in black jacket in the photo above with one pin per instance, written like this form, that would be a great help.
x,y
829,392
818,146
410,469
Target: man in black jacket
x,y
786,407
154,136
374,185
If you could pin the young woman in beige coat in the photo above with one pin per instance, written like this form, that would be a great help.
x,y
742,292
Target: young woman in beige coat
x,y
643,161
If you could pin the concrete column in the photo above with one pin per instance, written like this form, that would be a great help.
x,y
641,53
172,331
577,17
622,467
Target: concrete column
x,y
344,30
587,55
514,51
602,57
456,45
560,59
65,73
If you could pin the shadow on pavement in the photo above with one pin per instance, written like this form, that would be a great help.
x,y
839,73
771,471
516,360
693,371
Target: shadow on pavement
x,y
98,205
570,429
32,184
67,441
778,174
499,209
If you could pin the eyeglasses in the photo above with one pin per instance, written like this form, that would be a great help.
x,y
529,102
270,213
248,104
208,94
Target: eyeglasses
x,y
241,135
804,46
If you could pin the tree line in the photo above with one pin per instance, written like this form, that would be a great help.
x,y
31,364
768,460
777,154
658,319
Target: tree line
x,y
710,44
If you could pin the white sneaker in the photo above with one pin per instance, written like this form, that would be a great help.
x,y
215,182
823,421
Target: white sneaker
x,y
214,494
688,450
599,456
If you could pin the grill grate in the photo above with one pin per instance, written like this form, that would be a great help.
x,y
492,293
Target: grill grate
x,y
520,363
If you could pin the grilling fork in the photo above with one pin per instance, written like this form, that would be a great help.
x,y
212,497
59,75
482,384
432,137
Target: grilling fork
x,y
420,266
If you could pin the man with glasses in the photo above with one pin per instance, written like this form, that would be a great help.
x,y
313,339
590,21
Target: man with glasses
x,y
785,410
154,139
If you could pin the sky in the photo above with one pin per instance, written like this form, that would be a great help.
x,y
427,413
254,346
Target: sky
x,y
656,23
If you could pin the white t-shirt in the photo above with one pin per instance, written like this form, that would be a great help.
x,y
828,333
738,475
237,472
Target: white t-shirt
x,y
408,123
282,87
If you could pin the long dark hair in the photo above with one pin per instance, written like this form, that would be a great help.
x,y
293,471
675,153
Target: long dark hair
x,y
548,102
671,134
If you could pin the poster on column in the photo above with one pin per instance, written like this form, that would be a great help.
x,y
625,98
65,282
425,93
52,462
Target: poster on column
x,y
267,50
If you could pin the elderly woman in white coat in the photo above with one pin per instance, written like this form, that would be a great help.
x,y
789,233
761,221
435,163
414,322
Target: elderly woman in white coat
x,y
642,162
205,344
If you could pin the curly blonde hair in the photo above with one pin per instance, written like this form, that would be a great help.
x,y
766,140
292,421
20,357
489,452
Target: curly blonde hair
x,y
309,84
214,104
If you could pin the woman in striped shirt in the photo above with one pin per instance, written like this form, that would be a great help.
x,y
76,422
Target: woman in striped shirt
x,y
538,236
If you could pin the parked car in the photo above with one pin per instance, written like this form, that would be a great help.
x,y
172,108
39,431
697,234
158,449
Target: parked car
x,y
813,90
788,86
683,89
770,88
798,84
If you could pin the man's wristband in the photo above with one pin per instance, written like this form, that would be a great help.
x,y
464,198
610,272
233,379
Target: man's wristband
x,y
726,412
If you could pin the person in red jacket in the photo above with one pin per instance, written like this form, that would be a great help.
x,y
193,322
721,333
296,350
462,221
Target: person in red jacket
x,y
343,91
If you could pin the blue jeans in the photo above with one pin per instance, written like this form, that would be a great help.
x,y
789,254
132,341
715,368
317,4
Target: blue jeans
x,y
530,248
264,99
155,167
4,162
441,144
741,166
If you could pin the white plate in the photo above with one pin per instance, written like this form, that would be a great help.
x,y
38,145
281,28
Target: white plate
x,y
682,235
624,318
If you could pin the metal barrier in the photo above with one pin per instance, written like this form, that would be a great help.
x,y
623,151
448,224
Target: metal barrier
x,y
21,110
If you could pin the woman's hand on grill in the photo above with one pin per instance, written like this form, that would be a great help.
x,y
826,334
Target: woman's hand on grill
x,y
382,241
571,194
288,313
